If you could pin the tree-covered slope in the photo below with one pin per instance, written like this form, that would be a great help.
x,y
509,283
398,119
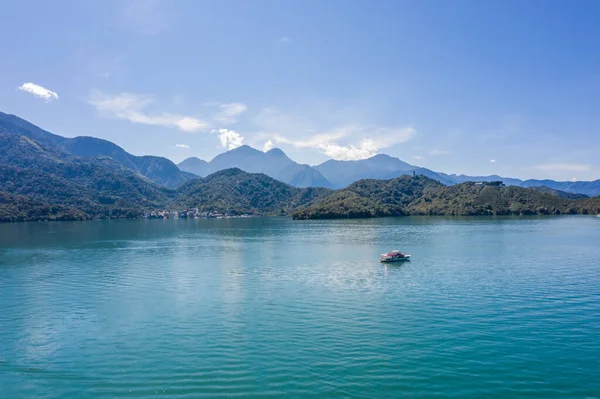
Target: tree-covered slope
x,y
472,199
423,196
590,206
98,187
234,190
558,193
18,208
370,198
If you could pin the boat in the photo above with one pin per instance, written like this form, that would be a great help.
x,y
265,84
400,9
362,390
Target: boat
x,y
394,256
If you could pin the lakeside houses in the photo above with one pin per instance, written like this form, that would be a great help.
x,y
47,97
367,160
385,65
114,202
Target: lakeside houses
x,y
194,213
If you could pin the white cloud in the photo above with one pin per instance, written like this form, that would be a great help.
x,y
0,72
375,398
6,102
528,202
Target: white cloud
x,y
38,91
365,149
185,146
373,139
131,107
436,152
229,112
345,142
492,160
573,178
418,158
284,40
268,145
229,139
563,167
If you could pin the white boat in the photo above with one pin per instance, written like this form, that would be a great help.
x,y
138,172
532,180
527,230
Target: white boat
x,y
394,256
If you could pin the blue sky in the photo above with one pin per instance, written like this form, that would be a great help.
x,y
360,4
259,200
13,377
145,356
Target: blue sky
x,y
474,87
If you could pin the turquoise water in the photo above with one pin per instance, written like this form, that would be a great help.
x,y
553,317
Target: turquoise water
x,y
270,307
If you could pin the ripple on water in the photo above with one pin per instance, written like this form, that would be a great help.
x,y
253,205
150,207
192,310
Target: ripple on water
x,y
271,307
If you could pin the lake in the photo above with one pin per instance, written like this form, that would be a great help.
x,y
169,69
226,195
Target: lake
x,y
270,307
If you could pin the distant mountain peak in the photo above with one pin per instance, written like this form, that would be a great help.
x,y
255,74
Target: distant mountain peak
x,y
244,148
195,160
276,151
278,154
382,156
194,165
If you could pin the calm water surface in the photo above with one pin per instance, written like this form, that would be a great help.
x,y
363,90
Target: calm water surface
x,y
269,307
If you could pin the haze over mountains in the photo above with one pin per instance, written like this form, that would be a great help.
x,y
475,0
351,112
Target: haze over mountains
x,y
339,174
274,163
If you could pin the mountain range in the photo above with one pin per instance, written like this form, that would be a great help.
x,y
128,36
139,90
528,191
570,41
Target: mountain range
x,y
339,174
274,163
39,180
158,169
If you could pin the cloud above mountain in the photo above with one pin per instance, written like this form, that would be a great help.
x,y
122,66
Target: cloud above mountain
x,y
133,107
345,142
229,139
38,91
228,113
351,142
268,145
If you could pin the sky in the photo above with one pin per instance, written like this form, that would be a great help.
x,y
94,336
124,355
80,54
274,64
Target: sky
x,y
474,87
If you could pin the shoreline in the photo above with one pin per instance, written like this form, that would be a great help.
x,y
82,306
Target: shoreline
x,y
521,216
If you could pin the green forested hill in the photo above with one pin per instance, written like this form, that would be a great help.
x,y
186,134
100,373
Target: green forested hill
x,y
370,198
471,199
236,191
101,187
423,196
96,187
559,193
590,206
18,208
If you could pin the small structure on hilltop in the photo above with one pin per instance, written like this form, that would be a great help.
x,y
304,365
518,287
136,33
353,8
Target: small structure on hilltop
x,y
497,183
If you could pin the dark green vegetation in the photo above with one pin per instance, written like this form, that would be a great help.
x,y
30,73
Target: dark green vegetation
x,y
95,187
421,195
235,192
39,182
559,193
18,208
370,198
